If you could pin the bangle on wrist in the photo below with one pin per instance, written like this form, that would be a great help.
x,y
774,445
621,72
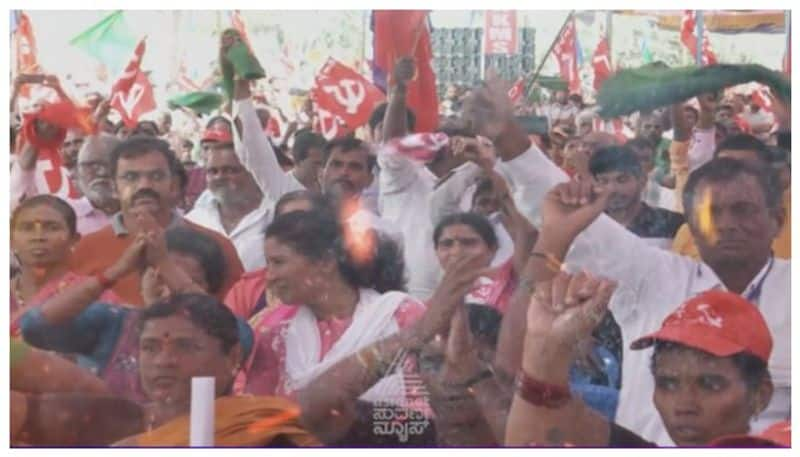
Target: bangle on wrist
x,y
541,393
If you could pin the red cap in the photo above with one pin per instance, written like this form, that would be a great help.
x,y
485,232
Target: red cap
x,y
217,136
718,322
778,434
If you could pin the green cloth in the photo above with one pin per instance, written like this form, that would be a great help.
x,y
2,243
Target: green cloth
x,y
656,85
241,63
199,102
110,41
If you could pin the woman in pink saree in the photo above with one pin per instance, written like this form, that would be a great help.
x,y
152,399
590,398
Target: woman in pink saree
x,y
43,233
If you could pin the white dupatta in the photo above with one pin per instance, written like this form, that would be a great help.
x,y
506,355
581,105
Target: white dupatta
x,y
373,320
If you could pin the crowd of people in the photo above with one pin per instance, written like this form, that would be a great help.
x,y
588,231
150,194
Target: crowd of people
x,y
620,283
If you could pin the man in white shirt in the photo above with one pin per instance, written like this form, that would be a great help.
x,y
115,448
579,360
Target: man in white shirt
x,y
407,186
347,171
92,177
237,208
652,281
308,154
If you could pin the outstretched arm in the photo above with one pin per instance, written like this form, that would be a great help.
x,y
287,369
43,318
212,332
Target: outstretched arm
x,y
395,123
561,313
327,403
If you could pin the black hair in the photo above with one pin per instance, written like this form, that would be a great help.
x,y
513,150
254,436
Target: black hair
x,y
455,127
214,119
204,311
615,158
752,369
745,142
183,178
576,98
347,144
119,126
484,322
484,185
725,169
640,143
304,141
139,145
380,112
476,221
139,130
53,202
319,235
202,248
692,109
319,202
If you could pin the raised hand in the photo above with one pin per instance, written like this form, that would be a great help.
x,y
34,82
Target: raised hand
x,y
563,312
461,353
570,207
403,72
488,110
459,278
707,102
477,150
131,260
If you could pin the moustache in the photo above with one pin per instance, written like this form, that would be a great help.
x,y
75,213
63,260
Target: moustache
x,y
145,193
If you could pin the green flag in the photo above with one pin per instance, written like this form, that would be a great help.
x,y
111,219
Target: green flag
x,y
656,85
110,41
199,102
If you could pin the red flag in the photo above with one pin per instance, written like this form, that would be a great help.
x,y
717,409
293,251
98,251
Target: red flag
x,y
329,125
761,97
344,93
25,50
132,94
564,50
64,115
517,90
25,46
688,38
601,63
399,33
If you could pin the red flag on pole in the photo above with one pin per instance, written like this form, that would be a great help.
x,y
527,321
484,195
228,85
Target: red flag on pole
x,y
25,50
132,94
564,51
601,63
400,33
25,46
517,90
689,39
343,93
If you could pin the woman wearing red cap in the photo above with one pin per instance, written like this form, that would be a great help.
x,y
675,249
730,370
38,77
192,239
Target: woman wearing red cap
x,y
709,365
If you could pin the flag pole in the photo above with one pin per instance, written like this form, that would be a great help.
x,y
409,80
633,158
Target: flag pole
x,y
549,51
